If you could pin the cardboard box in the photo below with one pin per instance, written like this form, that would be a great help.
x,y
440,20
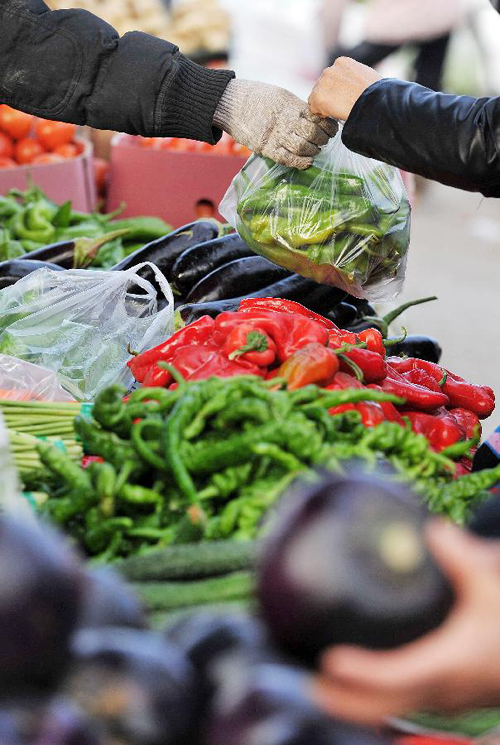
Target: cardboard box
x,y
72,179
167,184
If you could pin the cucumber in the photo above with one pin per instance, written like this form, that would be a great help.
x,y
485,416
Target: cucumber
x,y
165,596
188,561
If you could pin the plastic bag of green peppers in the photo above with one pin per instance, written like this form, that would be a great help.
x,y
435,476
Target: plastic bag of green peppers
x,y
345,221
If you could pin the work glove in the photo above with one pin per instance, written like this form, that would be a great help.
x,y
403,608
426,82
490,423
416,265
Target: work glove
x,y
273,122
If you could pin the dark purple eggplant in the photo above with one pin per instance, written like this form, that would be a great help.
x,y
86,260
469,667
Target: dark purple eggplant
x,y
272,706
343,314
40,595
165,251
348,564
109,601
14,269
197,262
318,298
421,347
61,723
76,254
150,682
242,276
61,253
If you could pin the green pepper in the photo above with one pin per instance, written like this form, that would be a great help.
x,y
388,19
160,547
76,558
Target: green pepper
x,y
9,249
33,224
8,207
29,246
142,228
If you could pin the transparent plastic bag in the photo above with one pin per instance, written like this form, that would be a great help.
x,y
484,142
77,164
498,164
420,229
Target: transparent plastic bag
x,y
345,221
82,324
23,381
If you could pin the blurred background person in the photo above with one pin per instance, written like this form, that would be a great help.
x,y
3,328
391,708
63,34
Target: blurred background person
x,y
390,25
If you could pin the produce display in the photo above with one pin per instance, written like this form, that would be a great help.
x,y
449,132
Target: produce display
x,y
30,223
24,139
149,16
225,147
345,221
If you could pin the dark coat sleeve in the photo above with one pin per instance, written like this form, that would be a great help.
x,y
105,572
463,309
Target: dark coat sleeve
x,y
447,138
71,66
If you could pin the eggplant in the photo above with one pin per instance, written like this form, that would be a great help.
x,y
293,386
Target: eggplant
x,y
165,251
41,588
206,636
14,269
316,297
421,347
343,314
149,681
347,563
196,262
242,276
269,703
109,601
61,253
61,723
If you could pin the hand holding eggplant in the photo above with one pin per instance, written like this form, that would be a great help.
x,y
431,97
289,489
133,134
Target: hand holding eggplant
x,y
455,667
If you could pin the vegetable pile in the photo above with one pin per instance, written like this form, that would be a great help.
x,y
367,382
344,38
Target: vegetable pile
x,y
30,223
226,146
27,140
345,221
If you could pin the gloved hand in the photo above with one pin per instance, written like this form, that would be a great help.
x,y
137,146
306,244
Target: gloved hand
x,y
273,122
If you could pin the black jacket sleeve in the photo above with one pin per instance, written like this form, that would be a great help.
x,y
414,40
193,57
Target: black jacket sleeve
x,y
71,66
447,138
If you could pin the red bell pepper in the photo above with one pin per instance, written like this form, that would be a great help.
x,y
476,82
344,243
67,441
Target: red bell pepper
x,y
420,377
416,395
371,364
469,422
339,338
477,398
374,340
313,363
341,409
284,306
371,412
217,365
288,331
343,380
198,332
250,344
390,412
440,432
185,359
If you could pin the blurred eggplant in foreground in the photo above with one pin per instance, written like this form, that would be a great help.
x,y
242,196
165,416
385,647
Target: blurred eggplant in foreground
x,y
108,601
135,685
41,587
347,563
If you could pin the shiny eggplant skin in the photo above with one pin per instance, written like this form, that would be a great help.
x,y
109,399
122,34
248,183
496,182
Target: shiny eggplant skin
x,y
61,253
200,260
165,251
242,276
318,298
14,269
421,347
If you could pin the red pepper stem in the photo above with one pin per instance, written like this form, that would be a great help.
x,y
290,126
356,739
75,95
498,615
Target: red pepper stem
x,y
131,352
392,342
174,372
390,317
358,372
256,342
349,347
443,379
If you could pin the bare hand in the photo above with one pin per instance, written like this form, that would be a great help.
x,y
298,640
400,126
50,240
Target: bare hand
x,y
339,87
455,667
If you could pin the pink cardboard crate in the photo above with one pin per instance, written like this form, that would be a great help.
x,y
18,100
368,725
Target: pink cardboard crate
x,y
166,184
72,179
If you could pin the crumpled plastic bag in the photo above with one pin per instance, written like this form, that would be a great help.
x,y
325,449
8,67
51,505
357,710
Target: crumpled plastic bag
x,y
82,324
344,222
23,381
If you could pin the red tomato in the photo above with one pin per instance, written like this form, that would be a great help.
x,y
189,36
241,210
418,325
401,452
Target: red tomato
x,y
180,145
153,142
15,123
204,147
7,162
53,134
68,150
101,170
27,150
46,158
241,151
205,208
224,146
6,146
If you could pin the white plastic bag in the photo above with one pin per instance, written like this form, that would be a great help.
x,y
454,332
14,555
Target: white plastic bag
x,y
82,324
345,221
23,381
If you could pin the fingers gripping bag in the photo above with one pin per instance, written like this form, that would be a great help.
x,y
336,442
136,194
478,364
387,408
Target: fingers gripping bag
x,y
82,324
345,221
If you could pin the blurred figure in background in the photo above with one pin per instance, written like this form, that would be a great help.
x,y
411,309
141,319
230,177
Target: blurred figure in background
x,y
426,25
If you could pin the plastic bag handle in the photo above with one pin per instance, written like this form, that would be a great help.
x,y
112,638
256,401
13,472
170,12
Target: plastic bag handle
x,y
146,285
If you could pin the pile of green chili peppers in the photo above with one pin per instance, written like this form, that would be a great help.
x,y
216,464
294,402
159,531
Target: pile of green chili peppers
x,y
334,227
29,220
208,460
